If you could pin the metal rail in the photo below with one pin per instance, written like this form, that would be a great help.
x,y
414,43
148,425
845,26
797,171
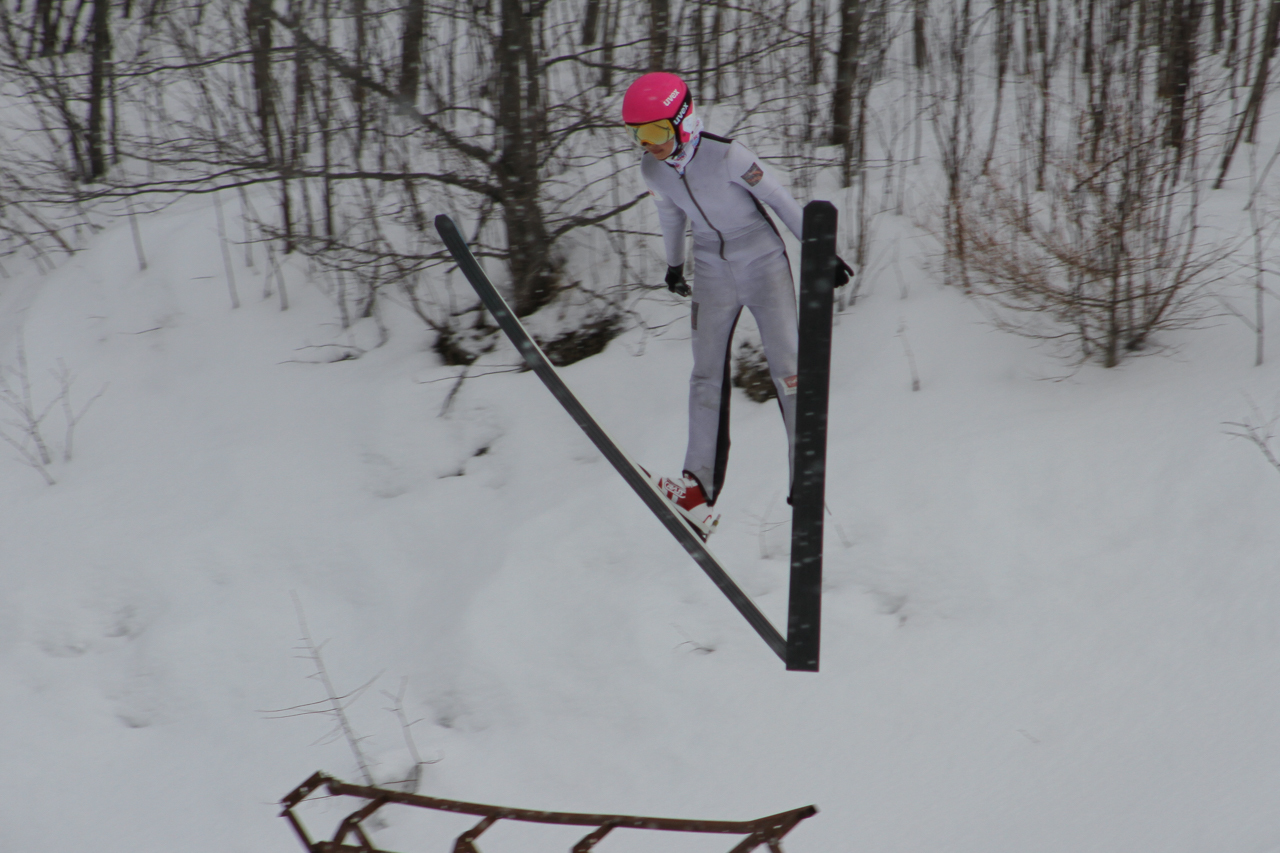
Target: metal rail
x,y
350,836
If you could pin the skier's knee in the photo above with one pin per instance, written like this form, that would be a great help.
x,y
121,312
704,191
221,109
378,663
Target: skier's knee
x,y
706,395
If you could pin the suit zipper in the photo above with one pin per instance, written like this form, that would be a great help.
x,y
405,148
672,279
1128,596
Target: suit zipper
x,y
694,199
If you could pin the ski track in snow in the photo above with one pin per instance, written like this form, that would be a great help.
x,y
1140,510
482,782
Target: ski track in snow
x,y
1050,612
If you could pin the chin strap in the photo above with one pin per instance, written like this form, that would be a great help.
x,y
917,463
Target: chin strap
x,y
685,150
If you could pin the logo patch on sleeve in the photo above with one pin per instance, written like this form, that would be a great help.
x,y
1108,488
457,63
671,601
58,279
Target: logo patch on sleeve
x,y
753,175
790,384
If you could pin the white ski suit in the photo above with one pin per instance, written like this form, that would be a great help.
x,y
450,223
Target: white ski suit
x,y
738,260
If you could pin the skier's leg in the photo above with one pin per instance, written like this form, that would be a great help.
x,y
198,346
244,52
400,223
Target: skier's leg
x,y
708,453
774,307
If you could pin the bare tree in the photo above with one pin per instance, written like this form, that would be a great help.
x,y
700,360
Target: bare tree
x,y
659,33
415,22
1179,51
349,123
951,118
1259,431
26,430
1106,257
99,82
1247,122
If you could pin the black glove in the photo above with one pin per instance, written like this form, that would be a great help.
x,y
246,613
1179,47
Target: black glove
x,y
844,272
675,281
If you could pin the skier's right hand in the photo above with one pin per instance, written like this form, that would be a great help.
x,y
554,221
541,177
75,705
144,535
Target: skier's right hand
x,y
675,281
844,272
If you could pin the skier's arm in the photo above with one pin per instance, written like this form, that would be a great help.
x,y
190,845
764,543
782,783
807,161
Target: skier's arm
x,y
766,188
673,220
674,224
751,176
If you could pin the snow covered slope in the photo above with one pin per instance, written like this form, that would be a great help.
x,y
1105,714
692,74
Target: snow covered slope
x,y
1051,612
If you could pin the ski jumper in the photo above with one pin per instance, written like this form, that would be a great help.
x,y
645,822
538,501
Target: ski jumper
x,y
738,260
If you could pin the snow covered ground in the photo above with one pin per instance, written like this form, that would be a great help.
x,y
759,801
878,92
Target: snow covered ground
x,y
1052,612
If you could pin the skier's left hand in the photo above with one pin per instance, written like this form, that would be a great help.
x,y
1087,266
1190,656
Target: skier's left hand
x,y
675,281
844,272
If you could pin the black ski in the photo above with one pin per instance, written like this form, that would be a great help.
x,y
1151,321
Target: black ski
x,y
808,494
630,472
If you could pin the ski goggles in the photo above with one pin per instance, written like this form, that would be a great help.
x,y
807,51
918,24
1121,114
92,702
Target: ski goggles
x,y
652,133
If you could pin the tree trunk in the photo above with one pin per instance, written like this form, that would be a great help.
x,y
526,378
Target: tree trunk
x,y
591,22
522,137
71,43
359,12
717,27
258,23
847,56
610,37
99,69
47,27
919,40
415,20
1249,118
816,39
659,33
699,49
1179,59
1004,44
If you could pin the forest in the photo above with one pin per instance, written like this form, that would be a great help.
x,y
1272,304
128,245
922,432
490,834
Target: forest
x,y
1064,154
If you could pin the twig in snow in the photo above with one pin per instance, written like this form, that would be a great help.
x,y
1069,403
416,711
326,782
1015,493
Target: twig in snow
x,y
337,704
764,527
20,401
29,458
453,392
911,357
226,252
844,540
408,785
1258,431
26,430
137,236
64,377
698,648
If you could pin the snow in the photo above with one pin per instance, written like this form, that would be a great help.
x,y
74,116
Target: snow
x,y
1050,612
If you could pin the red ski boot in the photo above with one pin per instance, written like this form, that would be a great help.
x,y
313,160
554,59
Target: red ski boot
x,y
691,503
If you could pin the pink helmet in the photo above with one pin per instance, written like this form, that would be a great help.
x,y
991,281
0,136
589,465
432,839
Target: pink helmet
x,y
656,96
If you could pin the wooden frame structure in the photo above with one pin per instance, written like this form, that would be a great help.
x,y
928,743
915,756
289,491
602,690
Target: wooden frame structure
x,y
350,836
